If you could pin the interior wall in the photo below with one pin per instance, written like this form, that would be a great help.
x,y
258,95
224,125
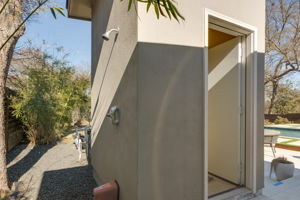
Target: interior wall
x,y
224,131
217,37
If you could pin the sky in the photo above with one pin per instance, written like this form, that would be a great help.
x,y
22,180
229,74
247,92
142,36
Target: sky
x,y
73,35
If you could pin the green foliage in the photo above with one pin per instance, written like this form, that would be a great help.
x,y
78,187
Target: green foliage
x,y
56,9
165,8
51,91
282,120
286,101
267,122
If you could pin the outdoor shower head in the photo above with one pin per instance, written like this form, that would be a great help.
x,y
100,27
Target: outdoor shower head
x,y
105,36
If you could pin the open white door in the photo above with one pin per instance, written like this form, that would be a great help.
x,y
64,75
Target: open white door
x,y
224,110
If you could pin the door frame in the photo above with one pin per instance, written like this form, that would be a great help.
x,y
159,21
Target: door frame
x,y
250,33
243,108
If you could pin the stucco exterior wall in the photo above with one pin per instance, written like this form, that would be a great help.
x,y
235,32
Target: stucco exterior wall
x,y
191,31
114,148
110,58
260,121
170,110
154,71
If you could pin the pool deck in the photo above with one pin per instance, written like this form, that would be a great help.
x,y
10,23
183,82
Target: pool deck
x,y
285,190
286,141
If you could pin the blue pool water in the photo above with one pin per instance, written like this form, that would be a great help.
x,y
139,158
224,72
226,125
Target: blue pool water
x,y
288,132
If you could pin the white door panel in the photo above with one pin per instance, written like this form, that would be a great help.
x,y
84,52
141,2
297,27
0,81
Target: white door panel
x,y
224,132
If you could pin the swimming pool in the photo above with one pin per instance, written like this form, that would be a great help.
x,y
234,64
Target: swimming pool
x,y
288,132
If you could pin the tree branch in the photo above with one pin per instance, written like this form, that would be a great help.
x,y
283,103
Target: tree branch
x,y
5,4
18,28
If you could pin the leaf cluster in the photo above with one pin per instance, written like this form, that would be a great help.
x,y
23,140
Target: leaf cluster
x,y
165,8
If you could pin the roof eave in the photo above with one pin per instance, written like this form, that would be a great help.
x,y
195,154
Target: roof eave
x,y
79,9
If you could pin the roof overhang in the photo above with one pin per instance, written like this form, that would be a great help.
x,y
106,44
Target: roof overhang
x,y
80,9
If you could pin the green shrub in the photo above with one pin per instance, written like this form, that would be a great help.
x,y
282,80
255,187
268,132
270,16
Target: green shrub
x,y
267,122
50,92
282,120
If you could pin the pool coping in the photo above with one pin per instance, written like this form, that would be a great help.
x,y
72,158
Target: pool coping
x,y
287,127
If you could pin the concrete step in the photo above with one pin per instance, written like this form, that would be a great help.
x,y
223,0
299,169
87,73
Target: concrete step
x,y
237,194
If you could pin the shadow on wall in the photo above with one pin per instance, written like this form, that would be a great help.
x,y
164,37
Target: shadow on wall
x,y
22,166
101,27
104,75
72,183
172,109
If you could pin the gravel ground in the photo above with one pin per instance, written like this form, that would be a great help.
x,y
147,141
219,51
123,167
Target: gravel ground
x,y
50,172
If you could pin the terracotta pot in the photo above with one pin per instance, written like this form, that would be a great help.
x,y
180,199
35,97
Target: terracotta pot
x,y
108,191
284,171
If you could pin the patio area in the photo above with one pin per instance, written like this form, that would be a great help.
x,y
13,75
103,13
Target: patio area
x,y
288,189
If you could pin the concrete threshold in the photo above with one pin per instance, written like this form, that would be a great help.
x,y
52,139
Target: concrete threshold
x,y
237,194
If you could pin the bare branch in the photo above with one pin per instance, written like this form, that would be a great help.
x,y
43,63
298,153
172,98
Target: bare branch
x,y
23,22
3,7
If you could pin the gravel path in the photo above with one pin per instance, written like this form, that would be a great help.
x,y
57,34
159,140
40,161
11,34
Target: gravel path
x,y
50,172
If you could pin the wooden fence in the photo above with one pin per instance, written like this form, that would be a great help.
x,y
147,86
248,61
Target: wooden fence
x,y
14,129
293,117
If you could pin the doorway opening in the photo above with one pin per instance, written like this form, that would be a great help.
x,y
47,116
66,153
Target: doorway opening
x,y
226,110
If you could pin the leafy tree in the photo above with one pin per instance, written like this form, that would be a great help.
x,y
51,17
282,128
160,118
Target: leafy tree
x,y
13,15
286,101
50,92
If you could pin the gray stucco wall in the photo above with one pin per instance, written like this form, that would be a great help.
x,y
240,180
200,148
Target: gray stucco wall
x,y
157,151
191,33
170,109
109,58
260,120
114,148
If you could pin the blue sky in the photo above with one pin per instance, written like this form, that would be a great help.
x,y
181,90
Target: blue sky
x,y
73,35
